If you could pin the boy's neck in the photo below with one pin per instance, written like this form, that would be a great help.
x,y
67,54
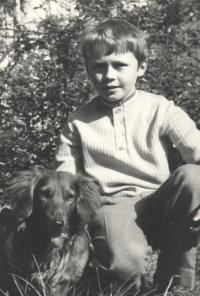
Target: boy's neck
x,y
126,99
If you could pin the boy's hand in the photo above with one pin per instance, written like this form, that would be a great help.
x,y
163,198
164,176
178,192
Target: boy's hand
x,y
196,219
106,200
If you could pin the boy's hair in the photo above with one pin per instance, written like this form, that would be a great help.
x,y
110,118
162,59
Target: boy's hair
x,y
114,36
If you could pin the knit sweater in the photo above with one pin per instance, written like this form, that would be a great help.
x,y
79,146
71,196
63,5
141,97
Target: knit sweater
x,y
123,144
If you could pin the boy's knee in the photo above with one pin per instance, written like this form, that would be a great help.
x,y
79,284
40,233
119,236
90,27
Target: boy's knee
x,y
135,263
121,252
189,176
130,266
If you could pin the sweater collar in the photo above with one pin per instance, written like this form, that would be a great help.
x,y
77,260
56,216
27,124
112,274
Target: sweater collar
x,y
126,102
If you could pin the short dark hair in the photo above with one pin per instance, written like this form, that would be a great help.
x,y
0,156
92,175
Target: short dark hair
x,y
114,36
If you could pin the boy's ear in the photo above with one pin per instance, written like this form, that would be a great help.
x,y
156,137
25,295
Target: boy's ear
x,y
142,68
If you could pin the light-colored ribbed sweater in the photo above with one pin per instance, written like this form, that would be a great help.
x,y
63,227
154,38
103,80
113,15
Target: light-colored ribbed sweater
x,y
123,144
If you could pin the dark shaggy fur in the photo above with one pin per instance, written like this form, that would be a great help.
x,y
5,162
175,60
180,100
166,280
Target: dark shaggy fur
x,y
51,211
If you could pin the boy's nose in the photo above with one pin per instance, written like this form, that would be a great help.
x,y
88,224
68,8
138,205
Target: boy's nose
x,y
110,73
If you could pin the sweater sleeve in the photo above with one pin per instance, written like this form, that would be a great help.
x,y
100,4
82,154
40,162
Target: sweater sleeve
x,y
68,156
182,131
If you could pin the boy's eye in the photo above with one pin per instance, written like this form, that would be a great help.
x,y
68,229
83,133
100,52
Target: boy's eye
x,y
119,65
98,67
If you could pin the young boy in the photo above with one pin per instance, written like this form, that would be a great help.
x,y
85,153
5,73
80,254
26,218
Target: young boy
x,y
119,138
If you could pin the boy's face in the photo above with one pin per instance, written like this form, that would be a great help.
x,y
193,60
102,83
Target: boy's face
x,y
114,76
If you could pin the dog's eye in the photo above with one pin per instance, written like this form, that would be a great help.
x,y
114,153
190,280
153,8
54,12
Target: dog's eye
x,y
46,193
68,193
70,196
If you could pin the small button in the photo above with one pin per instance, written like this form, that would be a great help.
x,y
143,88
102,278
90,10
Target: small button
x,y
120,135
118,123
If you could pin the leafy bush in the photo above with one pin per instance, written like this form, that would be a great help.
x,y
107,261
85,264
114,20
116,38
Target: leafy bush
x,y
44,79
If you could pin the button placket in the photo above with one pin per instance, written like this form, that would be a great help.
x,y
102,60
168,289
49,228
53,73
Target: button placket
x,y
119,129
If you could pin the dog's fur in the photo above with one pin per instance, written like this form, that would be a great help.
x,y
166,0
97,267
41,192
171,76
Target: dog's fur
x,y
51,210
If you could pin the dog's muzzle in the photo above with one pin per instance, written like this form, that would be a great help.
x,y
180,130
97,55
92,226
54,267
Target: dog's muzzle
x,y
59,224
57,227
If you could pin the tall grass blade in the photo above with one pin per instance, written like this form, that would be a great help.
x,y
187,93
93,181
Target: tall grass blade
x,y
170,283
6,294
27,283
42,283
17,285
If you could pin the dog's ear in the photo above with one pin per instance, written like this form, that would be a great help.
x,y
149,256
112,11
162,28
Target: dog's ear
x,y
19,194
88,200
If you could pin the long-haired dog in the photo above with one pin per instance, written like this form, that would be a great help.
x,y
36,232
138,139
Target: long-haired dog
x,y
51,211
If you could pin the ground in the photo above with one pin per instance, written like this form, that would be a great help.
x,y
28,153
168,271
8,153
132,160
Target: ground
x,y
178,291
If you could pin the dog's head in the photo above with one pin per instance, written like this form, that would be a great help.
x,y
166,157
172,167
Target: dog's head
x,y
36,197
81,194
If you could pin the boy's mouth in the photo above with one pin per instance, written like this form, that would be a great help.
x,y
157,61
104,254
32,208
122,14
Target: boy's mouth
x,y
110,87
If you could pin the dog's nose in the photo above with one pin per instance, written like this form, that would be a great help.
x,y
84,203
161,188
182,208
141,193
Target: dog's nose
x,y
59,223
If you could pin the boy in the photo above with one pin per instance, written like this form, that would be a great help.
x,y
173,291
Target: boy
x,y
119,138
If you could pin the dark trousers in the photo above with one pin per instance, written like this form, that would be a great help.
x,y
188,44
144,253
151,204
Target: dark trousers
x,y
123,234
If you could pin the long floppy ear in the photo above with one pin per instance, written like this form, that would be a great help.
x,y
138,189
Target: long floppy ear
x,y
88,200
19,194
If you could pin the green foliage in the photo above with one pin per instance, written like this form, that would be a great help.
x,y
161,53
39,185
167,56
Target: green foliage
x,y
44,79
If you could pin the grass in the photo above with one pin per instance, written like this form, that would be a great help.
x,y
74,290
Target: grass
x,y
177,291
114,290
